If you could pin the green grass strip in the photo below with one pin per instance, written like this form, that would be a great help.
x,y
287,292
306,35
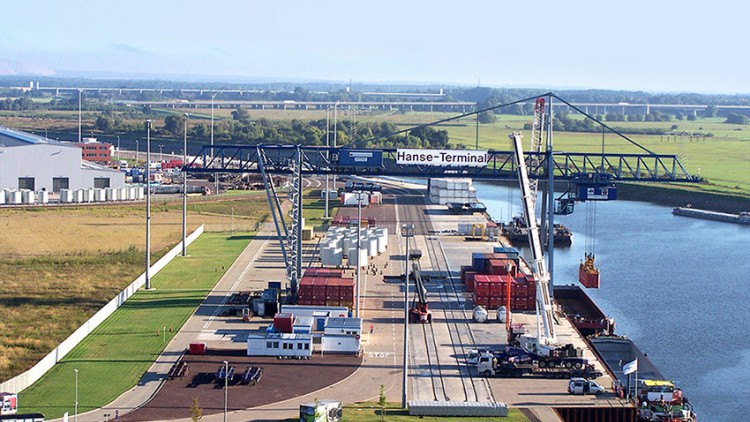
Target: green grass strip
x,y
370,412
113,358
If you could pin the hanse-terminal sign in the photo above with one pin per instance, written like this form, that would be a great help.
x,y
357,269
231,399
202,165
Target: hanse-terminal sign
x,y
442,158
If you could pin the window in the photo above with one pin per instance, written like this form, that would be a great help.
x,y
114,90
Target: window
x,y
299,346
101,182
60,183
269,345
275,344
26,183
307,346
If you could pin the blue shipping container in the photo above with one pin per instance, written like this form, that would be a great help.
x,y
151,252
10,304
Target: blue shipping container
x,y
478,261
347,157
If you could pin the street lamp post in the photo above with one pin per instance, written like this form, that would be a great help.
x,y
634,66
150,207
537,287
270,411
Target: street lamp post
x,y
328,144
407,231
216,176
75,411
118,147
80,94
148,204
136,153
161,153
184,188
226,387
359,253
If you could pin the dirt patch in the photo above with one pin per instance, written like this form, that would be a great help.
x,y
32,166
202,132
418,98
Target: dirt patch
x,y
282,380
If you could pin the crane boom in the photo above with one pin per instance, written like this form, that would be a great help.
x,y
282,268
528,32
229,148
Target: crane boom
x,y
543,301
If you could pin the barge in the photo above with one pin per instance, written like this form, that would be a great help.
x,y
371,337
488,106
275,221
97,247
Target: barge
x,y
741,218
517,232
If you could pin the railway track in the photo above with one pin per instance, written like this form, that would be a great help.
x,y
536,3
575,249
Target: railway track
x,y
450,376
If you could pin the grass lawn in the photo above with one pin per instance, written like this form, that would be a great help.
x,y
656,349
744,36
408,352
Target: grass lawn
x,y
370,412
114,357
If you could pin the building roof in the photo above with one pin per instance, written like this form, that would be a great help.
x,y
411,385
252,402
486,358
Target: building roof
x,y
344,323
15,138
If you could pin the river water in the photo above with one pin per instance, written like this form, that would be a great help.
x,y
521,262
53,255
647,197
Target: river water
x,y
677,286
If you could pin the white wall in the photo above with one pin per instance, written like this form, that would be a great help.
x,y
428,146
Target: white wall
x,y
26,379
44,161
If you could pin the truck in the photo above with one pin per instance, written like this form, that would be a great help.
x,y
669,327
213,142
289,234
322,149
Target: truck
x,y
566,356
8,403
524,365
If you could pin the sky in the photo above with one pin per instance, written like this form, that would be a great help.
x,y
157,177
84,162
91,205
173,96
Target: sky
x,y
649,45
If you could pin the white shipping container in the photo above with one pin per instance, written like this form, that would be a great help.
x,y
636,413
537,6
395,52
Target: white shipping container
x,y
352,259
347,344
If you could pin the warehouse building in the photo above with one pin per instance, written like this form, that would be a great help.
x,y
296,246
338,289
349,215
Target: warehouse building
x,y
35,163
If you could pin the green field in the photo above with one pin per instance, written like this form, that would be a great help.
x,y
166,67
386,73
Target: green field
x,y
370,412
114,357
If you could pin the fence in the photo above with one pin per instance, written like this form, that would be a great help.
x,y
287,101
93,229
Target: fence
x,y
26,379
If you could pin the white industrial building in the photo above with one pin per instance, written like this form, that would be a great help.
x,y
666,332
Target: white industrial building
x,y
35,163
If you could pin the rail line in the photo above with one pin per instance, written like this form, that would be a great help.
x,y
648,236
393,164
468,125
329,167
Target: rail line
x,y
456,323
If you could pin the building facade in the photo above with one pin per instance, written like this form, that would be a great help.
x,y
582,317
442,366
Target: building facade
x,y
32,162
96,152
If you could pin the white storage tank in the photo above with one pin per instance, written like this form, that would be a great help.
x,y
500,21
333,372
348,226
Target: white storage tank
x,y
2,197
78,195
382,242
42,197
124,193
112,194
141,193
353,257
372,246
133,192
501,314
88,195
331,256
100,195
28,197
14,197
65,196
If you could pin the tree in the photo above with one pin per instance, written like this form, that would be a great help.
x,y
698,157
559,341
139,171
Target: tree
x,y
196,412
487,117
711,111
737,119
240,113
173,125
382,402
104,123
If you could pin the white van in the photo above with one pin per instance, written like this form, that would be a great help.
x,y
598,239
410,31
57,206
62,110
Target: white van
x,y
584,386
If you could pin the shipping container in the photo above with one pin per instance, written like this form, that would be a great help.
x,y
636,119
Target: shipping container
x,y
197,348
283,322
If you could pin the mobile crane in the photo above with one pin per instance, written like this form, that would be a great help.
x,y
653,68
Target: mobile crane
x,y
420,310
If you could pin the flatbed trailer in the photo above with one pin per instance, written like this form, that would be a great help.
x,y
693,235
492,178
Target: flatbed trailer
x,y
489,365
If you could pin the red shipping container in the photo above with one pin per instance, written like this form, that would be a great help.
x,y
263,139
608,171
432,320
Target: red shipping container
x,y
333,288
335,272
319,288
346,289
480,300
197,349
470,276
284,322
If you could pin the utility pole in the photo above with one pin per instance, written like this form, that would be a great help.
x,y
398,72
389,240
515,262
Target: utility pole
x,y
328,144
184,188
80,94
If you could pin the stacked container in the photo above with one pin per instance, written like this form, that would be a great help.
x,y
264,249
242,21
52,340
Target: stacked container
x,y
326,287
492,275
283,323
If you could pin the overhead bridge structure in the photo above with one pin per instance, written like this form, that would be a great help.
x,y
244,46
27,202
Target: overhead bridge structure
x,y
497,165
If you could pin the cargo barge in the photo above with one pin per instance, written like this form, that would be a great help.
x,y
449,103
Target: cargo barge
x,y
517,233
741,218
585,315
